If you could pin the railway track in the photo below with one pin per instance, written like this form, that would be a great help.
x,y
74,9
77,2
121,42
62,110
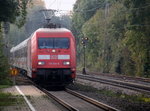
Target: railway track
x,y
129,85
69,99
21,78
92,101
74,101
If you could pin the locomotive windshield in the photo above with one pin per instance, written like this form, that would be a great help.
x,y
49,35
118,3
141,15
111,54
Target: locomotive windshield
x,y
62,43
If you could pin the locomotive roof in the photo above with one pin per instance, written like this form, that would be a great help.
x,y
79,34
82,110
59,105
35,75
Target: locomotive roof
x,y
53,30
19,46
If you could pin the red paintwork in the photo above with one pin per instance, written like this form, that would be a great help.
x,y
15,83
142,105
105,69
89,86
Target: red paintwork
x,y
52,33
32,51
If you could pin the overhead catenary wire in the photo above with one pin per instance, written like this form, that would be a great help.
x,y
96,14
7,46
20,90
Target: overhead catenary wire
x,y
92,9
103,4
58,11
100,5
52,3
125,11
85,10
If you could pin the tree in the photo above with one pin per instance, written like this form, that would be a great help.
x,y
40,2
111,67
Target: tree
x,y
13,10
10,11
118,34
83,11
137,35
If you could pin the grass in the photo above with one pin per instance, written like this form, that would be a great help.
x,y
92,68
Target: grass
x,y
6,81
4,86
136,98
7,99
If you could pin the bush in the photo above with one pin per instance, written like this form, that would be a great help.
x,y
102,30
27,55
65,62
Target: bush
x,y
4,66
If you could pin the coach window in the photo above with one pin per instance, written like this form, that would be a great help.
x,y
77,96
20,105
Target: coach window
x,y
25,51
20,53
17,54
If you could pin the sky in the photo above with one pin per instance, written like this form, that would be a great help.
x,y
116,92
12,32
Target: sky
x,y
66,5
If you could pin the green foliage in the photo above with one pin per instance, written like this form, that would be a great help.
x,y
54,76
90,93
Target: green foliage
x,y
3,86
138,44
13,11
83,11
10,11
35,20
4,67
118,33
104,39
7,99
138,36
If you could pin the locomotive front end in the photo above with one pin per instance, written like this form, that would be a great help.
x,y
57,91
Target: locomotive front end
x,y
55,58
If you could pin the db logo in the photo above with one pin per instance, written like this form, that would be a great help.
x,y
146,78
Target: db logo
x,y
54,57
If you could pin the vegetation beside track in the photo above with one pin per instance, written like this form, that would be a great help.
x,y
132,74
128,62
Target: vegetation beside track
x,y
16,14
117,99
118,36
7,99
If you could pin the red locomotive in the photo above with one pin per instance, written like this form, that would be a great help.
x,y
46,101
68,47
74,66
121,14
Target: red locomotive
x,y
48,56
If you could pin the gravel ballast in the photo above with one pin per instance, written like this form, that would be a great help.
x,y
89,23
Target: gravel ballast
x,y
122,99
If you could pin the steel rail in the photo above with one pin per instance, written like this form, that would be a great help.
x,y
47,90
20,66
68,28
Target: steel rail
x,y
66,105
132,86
92,101
50,95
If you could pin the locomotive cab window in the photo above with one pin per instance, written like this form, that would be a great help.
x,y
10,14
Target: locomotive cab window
x,y
62,43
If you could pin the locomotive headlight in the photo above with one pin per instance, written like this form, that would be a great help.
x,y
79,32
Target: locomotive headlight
x,y
53,50
41,63
66,63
